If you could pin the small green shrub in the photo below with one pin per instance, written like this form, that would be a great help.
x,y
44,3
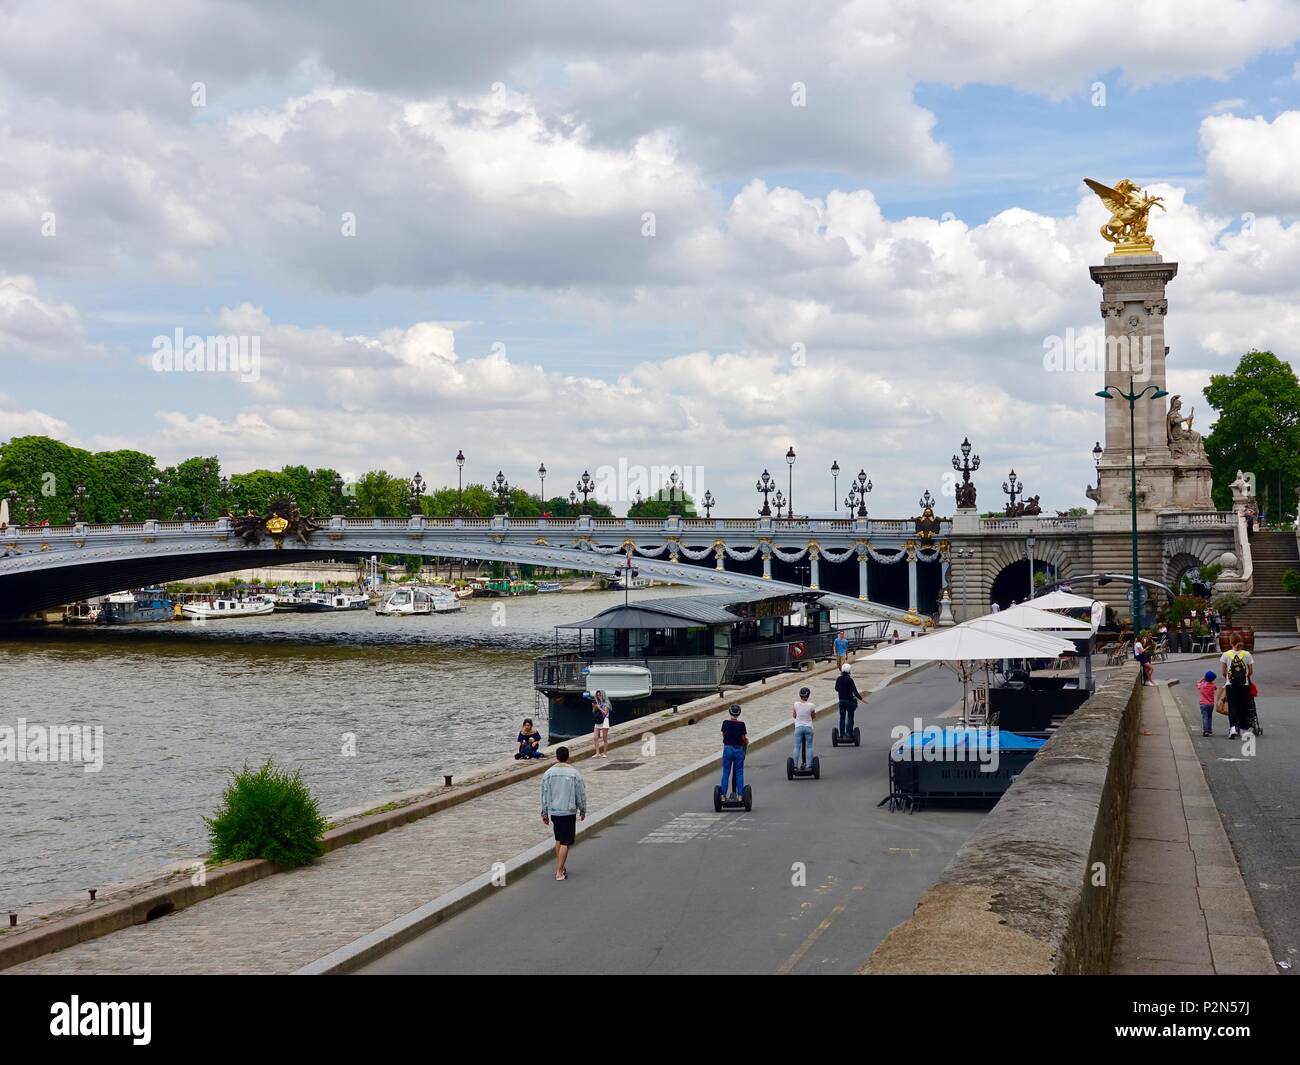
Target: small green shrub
x,y
1291,582
267,813
1230,602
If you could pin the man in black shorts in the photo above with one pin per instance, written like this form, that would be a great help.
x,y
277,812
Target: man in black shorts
x,y
564,804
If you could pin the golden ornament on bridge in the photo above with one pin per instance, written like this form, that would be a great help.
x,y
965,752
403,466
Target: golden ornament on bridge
x,y
276,525
1129,207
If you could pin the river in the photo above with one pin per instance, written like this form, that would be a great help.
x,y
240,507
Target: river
x,y
183,704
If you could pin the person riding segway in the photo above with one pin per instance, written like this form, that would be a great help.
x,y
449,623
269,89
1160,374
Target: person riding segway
x,y
849,698
807,764
734,745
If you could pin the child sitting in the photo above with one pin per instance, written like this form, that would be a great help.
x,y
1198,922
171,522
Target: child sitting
x,y
1208,691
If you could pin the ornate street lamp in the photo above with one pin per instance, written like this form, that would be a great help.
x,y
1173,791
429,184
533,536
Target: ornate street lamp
x,y
857,497
152,492
966,490
31,510
835,485
125,514
767,486
779,500
573,501
460,466
225,495
789,461
338,493
926,500
78,511
502,488
1013,488
417,490
1097,452
541,473
709,503
1131,397
672,493
179,513
585,487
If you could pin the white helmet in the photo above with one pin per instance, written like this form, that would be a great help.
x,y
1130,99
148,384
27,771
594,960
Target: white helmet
x,y
846,668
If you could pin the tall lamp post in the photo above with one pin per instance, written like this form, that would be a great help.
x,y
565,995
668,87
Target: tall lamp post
x,y
1131,397
1097,452
789,495
460,483
765,484
709,503
541,473
835,486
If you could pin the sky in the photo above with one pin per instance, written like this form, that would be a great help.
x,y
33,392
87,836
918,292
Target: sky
x,y
584,234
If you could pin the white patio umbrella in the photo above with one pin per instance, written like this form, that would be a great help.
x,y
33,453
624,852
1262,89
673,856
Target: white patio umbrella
x,y
4,512
1029,616
981,641
1061,601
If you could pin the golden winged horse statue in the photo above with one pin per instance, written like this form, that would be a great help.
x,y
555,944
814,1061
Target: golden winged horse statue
x,y
1129,207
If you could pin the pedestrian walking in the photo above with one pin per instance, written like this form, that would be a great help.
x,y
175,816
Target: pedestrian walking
x,y
564,804
1209,693
841,650
734,744
601,709
1238,671
849,699
804,714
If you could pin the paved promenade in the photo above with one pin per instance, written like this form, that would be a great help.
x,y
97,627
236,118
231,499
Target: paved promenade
x,y
286,921
1183,906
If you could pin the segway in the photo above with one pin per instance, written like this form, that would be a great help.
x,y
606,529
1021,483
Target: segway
x,y
814,770
855,737
743,801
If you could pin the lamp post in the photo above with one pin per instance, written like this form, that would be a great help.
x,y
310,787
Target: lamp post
x,y
672,494
835,486
225,495
338,493
858,489
779,500
1096,460
541,474
766,485
502,488
152,491
966,490
789,496
1131,397
417,490
460,483
78,512
708,502
1013,489
573,500
585,487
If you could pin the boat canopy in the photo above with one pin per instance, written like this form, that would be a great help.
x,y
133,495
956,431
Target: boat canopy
x,y
683,611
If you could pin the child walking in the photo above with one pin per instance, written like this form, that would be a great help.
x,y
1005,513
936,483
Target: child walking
x,y
1208,692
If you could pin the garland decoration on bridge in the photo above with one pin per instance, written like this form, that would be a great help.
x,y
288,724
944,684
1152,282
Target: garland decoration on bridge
x,y
835,557
886,560
738,555
696,555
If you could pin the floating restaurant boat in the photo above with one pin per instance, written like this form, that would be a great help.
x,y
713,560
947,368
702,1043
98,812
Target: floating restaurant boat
x,y
657,653
619,581
418,600
135,608
548,586
504,586
211,609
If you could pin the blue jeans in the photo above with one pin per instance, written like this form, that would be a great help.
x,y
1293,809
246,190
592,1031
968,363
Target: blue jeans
x,y
800,732
733,759
1207,718
847,707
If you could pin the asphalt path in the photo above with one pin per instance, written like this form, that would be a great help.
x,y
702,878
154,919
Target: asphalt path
x,y
809,882
1258,795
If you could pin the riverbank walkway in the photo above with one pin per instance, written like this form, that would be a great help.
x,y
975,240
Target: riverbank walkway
x,y
287,921
1183,905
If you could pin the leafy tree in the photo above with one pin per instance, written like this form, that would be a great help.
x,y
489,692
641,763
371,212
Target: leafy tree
x,y
1258,430
190,485
120,481
659,506
48,471
381,495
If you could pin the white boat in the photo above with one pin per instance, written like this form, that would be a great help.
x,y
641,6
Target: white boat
x,y
548,586
619,581
416,600
326,603
228,608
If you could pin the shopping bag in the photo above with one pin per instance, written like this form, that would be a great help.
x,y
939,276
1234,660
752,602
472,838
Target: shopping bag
x,y
1221,701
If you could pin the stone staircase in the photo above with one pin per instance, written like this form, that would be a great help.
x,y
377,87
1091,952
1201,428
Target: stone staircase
x,y
1271,609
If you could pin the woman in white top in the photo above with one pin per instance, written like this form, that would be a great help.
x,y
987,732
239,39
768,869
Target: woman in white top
x,y
601,710
804,713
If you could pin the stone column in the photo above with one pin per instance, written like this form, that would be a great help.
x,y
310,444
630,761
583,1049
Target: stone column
x,y
766,550
813,573
911,577
719,553
862,572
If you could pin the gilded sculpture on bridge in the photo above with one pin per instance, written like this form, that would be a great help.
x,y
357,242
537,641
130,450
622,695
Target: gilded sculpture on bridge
x,y
1129,207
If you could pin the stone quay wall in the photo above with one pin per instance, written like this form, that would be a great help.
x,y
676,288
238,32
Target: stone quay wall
x,y
1035,889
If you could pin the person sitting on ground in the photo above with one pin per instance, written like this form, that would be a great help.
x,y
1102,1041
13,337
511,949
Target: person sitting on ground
x,y
530,741
734,744
849,698
804,714
1208,691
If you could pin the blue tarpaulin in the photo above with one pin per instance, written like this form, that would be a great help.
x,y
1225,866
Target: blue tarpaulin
x,y
953,736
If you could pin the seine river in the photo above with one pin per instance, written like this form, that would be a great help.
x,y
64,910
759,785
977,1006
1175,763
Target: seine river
x,y
182,704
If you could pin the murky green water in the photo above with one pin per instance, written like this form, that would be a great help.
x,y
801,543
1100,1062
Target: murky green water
x,y
182,704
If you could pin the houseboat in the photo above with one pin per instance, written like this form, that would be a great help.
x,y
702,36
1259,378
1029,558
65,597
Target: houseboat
x,y
330,602
658,653
215,609
417,600
134,608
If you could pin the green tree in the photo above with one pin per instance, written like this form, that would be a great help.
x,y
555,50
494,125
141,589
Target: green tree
x,y
658,506
120,481
190,485
1258,430
381,495
48,471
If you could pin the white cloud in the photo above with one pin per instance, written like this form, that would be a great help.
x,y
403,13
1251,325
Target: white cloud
x,y
35,325
1252,163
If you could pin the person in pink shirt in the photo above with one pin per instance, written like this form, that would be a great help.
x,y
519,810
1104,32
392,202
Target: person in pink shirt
x,y
1208,691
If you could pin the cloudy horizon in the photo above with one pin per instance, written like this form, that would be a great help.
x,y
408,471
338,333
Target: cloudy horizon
x,y
587,233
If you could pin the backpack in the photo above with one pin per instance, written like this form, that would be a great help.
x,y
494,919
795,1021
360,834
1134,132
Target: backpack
x,y
1237,675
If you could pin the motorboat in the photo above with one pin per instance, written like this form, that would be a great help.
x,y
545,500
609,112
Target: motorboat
x,y
418,600
134,608
80,614
325,603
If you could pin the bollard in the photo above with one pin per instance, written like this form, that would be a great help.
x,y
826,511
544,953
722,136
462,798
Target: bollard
x,y
446,780
13,920
92,894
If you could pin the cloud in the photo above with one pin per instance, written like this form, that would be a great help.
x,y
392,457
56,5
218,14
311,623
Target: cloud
x,y
1252,163
17,421
37,326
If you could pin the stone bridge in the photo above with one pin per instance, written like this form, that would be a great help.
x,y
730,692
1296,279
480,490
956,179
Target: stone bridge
x,y
880,568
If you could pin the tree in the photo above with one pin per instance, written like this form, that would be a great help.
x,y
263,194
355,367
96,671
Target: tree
x,y
120,480
1258,430
381,495
658,505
